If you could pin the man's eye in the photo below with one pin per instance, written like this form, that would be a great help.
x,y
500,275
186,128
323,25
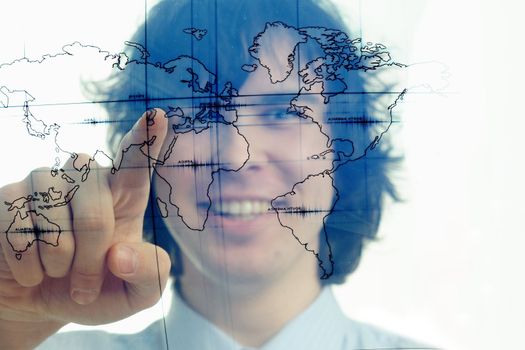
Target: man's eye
x,y
280,115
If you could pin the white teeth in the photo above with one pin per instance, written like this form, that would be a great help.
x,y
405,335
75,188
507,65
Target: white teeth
x,y
235,208
244,208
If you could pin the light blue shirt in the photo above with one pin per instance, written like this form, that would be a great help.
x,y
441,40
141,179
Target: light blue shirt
x,y
322,326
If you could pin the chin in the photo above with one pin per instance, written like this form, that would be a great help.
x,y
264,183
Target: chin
x,y
253,265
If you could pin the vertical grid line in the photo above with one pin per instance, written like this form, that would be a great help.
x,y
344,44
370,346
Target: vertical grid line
x,y
150,170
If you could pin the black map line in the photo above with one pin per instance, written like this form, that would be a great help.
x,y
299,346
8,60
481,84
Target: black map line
x,y
249,68
255,49
333,42
197,164
32,230
84,169
327,271
341,55
374,143
368,57
42,132
191,98
198,34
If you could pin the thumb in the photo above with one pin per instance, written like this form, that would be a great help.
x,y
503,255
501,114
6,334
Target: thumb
x,y
144,268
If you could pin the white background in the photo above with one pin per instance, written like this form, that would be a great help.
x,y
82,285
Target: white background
x,y
448,268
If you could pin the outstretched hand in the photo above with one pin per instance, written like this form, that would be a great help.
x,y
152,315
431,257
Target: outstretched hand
x,y
83,260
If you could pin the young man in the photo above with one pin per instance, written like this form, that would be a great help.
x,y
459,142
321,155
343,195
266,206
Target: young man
x,y
267,177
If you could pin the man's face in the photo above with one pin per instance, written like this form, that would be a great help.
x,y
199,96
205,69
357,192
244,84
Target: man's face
x,y
227,182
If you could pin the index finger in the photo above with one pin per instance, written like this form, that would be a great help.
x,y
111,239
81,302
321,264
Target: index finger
x,y
132,168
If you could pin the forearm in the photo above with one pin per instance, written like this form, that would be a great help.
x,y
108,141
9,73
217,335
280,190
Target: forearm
x,y
25,335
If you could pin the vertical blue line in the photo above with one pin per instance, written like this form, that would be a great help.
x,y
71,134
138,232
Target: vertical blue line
x,y
151,199
217,73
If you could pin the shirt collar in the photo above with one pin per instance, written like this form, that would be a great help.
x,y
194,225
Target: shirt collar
x,y
317,327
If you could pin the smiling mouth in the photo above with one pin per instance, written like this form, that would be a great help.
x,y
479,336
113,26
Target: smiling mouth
x,y
241,209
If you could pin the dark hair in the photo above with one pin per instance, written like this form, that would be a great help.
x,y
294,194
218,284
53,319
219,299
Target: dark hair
x,y
361,183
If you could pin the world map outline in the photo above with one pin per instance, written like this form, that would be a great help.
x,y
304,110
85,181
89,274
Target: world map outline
x,y
341,54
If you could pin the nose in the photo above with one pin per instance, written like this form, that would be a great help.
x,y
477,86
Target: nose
x,y
231,148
